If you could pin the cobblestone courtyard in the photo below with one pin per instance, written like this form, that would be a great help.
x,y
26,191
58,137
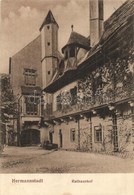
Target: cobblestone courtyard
x,y
38,160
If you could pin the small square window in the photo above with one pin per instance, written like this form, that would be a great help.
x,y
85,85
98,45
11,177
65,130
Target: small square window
x,y
49,72
48,43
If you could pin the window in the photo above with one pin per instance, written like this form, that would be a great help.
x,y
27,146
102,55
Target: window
x,y
58,102
98,133
48,72
72,52
66,54
31,105
48,27
72,135
48,43
73,92
30,77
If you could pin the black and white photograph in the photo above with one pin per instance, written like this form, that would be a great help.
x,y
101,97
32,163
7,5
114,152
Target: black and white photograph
x,y
66,88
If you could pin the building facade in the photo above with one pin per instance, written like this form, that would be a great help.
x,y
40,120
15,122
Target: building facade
x,y
91,94
25,69
26,81
82,98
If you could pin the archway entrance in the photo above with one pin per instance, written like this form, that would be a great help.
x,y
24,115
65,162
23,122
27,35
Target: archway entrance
x,y
30,137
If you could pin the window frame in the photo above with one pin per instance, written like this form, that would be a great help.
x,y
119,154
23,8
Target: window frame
x,y
30,77
31,108
98,130
72,134
72,52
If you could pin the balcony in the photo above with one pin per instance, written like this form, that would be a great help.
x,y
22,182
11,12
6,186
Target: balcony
x,y
87,103
111,83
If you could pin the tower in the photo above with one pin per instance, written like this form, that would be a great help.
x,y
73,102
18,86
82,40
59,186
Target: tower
x,y
49,47
96,21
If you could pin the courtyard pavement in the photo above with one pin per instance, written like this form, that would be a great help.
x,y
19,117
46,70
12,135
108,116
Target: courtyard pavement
x,y
38,160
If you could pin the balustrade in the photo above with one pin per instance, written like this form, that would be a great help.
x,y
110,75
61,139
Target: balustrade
x,y
108,84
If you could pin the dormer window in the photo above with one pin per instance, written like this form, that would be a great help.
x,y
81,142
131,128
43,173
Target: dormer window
x,y
69,52
72,52
66,54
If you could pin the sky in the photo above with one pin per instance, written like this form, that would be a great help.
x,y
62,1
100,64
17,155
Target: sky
x,y
21,20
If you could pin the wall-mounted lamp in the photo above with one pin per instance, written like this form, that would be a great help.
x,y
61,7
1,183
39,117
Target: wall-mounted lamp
x,y
45,123
81,115
111,107
55,122
94,112
131,103
118,113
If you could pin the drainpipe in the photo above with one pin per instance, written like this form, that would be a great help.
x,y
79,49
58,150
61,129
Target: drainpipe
x,y
90,126
133,124
78,134
18,122
131,103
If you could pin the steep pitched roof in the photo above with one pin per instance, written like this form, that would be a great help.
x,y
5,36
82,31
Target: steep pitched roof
x,y
112,25
117,19
49,20
76,38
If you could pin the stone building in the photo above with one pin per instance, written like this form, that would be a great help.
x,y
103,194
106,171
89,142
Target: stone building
x,y
25,69
89,96
26,81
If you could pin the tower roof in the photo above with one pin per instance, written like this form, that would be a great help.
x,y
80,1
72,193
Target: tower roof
x,y
49,20
76,38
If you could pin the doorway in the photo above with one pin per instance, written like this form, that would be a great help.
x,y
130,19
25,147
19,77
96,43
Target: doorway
x,y
51,137
30,137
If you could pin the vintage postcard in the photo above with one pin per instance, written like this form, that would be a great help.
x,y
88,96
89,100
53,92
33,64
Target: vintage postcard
x,y
67,97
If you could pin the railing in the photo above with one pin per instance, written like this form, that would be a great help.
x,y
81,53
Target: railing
x,y
86,103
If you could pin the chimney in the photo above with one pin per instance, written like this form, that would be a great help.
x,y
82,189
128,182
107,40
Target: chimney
x,y
96,21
